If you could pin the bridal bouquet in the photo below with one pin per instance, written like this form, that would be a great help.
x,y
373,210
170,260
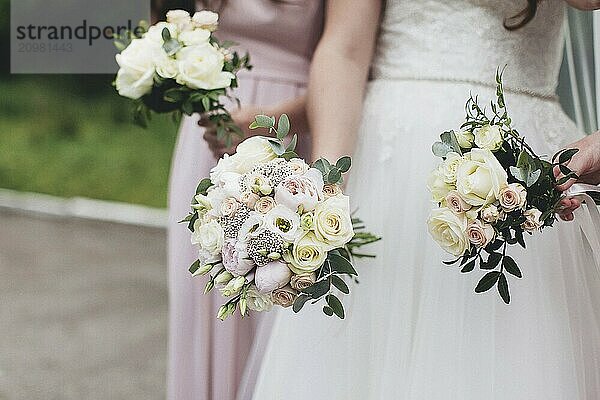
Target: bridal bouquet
x,y
272,230
491,188
178,66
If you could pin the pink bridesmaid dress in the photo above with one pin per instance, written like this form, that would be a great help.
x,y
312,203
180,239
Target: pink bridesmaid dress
x,y
207,357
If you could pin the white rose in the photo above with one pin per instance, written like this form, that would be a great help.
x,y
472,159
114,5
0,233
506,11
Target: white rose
x,y
301,282
284,222
166,67
274,275
285,296
229,206
437,185
230,182
456,203
513,197
258,301
181,18
206,20
490,214
480,178
136,73
195,37
301,190
480,234
201,67
489,137
332,221
464,138
155,32
533,220
252,151
225,164
308,254
449,166
208,236
449,231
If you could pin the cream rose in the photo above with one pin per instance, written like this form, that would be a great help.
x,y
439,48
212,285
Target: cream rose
x,y
301,282
301,190
331,190
166,67
229,206
489,137
449,166
332,221
258,301
480,234
201,67
252,151
284,222
155,32
274,275
449,230
298,166
285,296
135,77
249,199
437,186
513,197
208,236
206,20
195,37
490,214
480,178
533,220
264,204
455,203
465,138
308,254
181,18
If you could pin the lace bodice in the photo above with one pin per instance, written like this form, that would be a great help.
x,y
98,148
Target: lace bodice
x,y
465,40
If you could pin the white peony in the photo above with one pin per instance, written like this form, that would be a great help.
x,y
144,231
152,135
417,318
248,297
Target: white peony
x,y
301,190
274,275
252,151
136,73
201,67
489,137
206,20
284,222
332,221
258,301
480,178
449,230
208,236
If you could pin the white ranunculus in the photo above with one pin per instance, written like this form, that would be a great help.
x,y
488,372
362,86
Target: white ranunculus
x,y
449,230
274,275
195,37
251,152
480,178
489,137
258,301
155,32
181,18
449,166
285,296
533,220
465,138
209,236
206,20
308,254
437,185
301,190
332,221
224,165
136,73
284,222
480,234
201,67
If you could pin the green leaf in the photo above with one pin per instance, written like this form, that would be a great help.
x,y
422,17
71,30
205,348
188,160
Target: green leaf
x,y
344,164
493,260
511,267
277,147
334,175
503,288
519,174
340,264
292,146
566,155
336,305
206,103
171,46
203,186
194,267
468,267
283,126
166,34
317,289
532,177
253,125
340,284
487,282
328,311
299,302
321,165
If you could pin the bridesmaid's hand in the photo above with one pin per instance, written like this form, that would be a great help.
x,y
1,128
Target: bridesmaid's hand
x,y
586,164
243,117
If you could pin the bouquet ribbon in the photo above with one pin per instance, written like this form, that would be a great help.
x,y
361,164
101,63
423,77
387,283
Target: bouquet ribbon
x,y
589,226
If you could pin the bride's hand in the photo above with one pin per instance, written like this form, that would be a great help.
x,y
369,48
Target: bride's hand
x,y
242,117
586,164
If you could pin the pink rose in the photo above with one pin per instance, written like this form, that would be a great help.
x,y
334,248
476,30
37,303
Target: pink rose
x,y
480,234
456,203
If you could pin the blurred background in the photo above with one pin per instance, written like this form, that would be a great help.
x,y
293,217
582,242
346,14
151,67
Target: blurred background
x,y
83,305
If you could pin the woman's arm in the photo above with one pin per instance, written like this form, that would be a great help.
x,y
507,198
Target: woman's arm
x,y
585,5
338,75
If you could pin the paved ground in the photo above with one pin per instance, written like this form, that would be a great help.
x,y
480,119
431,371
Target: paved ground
x,y
83,309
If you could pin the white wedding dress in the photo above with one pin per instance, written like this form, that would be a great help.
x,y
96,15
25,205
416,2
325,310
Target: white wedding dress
x,y
415,329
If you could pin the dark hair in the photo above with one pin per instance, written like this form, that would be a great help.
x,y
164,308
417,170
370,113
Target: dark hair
x,y
523,17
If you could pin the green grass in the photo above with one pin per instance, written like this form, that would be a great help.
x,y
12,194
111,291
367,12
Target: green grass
x,y
73,136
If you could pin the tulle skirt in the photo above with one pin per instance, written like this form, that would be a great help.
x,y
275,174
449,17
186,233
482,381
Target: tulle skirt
x,y
415,329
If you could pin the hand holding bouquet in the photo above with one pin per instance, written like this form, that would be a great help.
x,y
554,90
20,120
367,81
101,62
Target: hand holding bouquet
x,y
178,66
491,188
272,230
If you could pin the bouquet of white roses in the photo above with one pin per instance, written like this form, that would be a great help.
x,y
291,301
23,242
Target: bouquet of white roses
x,y
179,66
270,229
490,189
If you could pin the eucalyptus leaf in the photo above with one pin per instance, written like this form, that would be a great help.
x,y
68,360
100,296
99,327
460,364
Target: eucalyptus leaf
x,y
299,302
277,147
292,145
264,121
344,164
449,138
341,265
340,284
336,305
317,289
283,126
440,149
334,175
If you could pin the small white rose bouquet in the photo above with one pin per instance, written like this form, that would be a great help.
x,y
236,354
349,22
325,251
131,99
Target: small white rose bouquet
x,y
178,66
272,230
490,189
